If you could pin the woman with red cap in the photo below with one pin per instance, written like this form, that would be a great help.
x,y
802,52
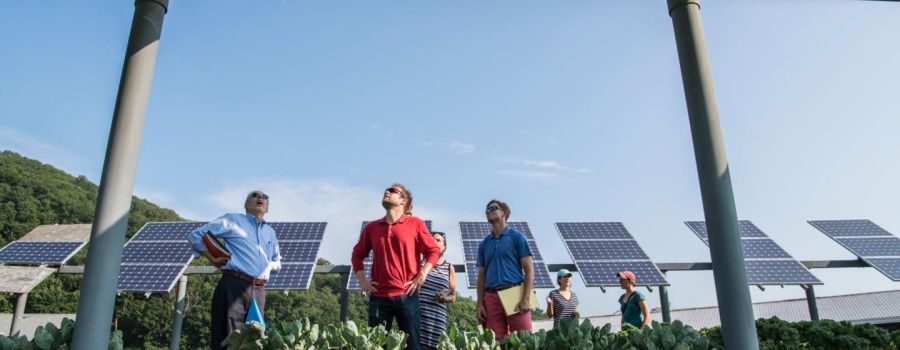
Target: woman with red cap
x,y
632,304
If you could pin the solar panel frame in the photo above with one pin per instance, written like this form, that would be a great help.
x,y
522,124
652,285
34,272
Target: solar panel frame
x,y
39,253
290,273
166,231
849,228
865,247
890,267
619,252
762,257
299,251
173,252
149,278
299,231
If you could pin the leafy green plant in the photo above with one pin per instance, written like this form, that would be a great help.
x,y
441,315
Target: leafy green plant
x,y
51,337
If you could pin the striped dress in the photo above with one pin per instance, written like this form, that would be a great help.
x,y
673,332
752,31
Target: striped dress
x,y
563,309
433,314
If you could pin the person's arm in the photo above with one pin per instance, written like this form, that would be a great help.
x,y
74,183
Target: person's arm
x,y
217,227
480,311
550,304
424,245
525,304
360,252
646,311
451,294
275,265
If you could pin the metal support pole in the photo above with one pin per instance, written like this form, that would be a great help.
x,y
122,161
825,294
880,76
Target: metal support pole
x,y
179,313
811,301
345,297
17,315
664,303
735,305
95,309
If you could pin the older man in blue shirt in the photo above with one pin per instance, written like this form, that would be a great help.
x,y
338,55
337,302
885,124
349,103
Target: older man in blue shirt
x,y
254,255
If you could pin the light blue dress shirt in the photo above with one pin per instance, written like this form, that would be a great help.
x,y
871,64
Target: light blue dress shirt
x,y
253,246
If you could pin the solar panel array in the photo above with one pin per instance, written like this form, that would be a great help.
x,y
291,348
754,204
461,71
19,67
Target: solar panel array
x,y
475,232
353,283
765,261
299,243
602,249
866,240
156,256
39,253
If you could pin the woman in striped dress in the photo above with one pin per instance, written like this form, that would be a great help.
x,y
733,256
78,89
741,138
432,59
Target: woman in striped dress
x,y
562,303
438,291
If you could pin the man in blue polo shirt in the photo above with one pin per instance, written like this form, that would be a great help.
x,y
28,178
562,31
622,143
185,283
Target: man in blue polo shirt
x,y
504,261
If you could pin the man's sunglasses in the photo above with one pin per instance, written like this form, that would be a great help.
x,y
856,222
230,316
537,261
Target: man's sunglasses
x,y
394,190
492,209
260,195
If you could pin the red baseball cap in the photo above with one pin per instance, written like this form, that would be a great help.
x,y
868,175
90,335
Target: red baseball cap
x,y
627,275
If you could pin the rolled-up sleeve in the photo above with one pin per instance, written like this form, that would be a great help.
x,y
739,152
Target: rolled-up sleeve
x,y
217,227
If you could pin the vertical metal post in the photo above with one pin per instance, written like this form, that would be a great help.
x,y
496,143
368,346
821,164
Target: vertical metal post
x,y
95,309
811,301
21,300
179,313
345,297
735,305
664,302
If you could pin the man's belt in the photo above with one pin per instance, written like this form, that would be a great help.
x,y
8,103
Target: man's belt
x,y
245,277
495,290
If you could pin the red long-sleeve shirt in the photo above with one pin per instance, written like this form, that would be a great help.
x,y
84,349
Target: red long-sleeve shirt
x,y
396,251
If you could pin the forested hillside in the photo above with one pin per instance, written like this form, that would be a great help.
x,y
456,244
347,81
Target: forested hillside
x,y
32,194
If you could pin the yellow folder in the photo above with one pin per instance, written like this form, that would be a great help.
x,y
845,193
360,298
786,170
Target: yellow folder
x,y
510,297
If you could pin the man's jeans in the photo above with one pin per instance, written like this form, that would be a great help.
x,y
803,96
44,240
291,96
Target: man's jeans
x,y
383,310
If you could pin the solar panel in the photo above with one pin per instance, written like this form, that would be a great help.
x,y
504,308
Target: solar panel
x,y
762,249
601,249
299,251
890,267
867,241
603,273
592,230
777,272
746,229
472,275
166,231
291,276
353,282
598,250
765,262
848,228
473,233
149,278
296,231
872,246
157,252
39,253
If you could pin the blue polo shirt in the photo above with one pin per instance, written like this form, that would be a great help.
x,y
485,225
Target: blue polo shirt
x,y
501,258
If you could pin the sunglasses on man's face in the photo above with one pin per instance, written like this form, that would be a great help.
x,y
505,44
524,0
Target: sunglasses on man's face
x,y
492,209
394,190
260,195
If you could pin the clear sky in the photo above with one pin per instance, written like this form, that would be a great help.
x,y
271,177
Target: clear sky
x,y
569,111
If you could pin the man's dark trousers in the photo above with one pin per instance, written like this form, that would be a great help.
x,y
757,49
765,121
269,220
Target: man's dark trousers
x,y
230,302
405,308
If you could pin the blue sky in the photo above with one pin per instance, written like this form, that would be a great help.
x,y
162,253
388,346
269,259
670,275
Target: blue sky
x,y
569,111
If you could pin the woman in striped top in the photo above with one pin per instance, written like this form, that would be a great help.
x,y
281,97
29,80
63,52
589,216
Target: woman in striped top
x,y
562,302
438,291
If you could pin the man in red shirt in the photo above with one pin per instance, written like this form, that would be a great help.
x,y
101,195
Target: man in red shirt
x,y
397,242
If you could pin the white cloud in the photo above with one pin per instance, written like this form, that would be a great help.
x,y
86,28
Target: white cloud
x,y
461,148
342,205
545,164
386,131
35,148
537,175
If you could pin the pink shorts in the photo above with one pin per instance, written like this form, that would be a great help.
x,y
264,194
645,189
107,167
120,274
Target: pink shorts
x,y
501,324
